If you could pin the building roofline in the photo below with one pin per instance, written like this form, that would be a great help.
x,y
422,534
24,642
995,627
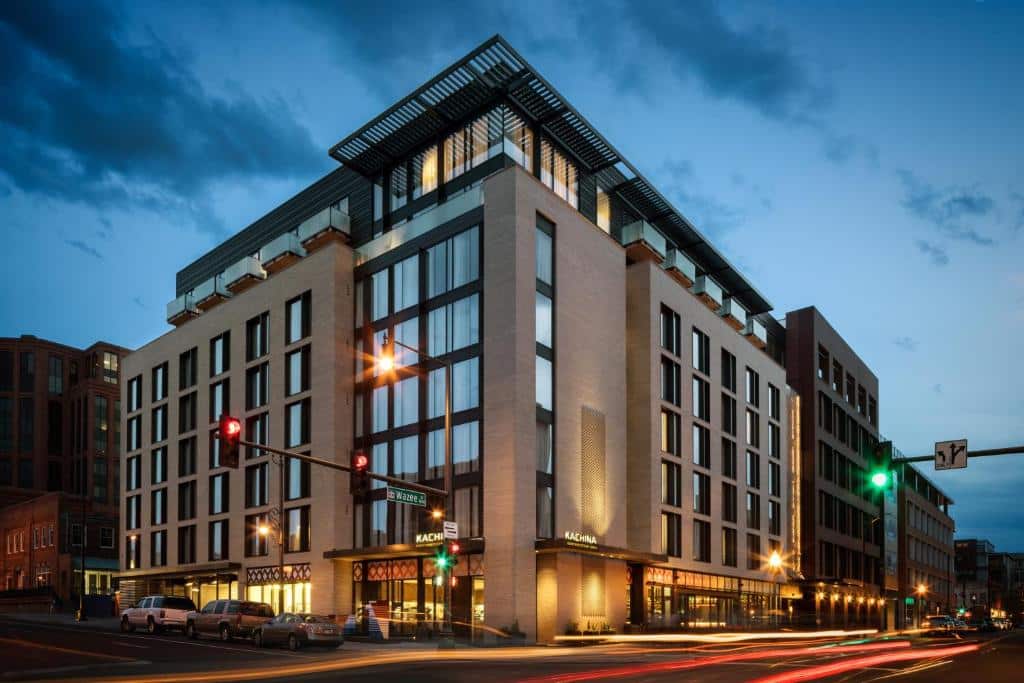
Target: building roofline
x,y
494,72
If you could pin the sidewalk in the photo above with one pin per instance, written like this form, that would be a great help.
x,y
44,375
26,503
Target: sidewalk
x,y
64,619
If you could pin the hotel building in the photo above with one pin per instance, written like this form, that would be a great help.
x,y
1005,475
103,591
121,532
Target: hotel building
x,y
483,221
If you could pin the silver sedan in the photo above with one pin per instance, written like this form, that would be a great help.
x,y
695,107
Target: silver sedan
x,y
298,630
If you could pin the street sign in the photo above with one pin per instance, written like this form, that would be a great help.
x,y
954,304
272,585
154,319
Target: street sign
x,y
451,530
400,495
951,455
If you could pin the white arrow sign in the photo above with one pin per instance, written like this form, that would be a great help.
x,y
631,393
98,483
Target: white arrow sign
x,y
451,530
951,455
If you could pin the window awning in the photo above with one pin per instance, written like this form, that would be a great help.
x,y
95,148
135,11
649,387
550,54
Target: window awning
x,y
494,73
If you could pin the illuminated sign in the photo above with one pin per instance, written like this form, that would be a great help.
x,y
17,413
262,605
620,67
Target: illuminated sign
x,y
578,539
430,538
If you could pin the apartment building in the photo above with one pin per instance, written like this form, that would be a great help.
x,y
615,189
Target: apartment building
x,y
926,551
847,579
482,221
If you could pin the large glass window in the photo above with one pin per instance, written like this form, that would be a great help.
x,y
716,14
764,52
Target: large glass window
x,y
407,458
297,527
454,262
220,354
544,323
406,395
297,367
56,375
753,511
473,144
701,399
559,173
219,490
298,312
27,371
187,457
160,382
728,547
670,381
296,480
701,493
159,506
379,408
465,388
101,426
701,352
701,446
379,291
407,283
158,465
604,210
753,470
188,363
544,460
424,172
544,384
671,434
671,484
257,336
220,394
257,485
670,323
257,386
545,512
453,326
671,530
545,268
466,447
701,541
518,142
728,502
218,540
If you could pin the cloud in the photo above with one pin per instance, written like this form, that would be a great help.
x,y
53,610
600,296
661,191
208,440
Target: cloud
x,y
947,209
937,388
90,116
83,247
936,253
1018,221
906,343
678,181
138,302
840,148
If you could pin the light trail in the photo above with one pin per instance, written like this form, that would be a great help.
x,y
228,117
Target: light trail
x,y
842,666
714,637
712,660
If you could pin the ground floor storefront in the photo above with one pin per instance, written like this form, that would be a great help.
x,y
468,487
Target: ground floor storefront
x,y
842,605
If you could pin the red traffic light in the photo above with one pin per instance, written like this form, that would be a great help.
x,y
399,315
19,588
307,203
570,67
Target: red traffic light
x,y
229,432
232,427
360,462
453,548
359,477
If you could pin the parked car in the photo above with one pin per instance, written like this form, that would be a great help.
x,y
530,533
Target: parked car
x,y
228,619
983,625
298,630
156,613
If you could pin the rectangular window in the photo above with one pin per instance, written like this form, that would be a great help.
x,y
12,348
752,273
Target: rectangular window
x,y
823,360
220,354
296,480
837,377
701,399
701,541
257,485
257,386
27,374
753,470
544,384
101,426
132,552
701,446
701,493
862,401
728,547
188,364
545,512
728,502
450,327
132,512
774,440
671,435
219,493
6,370
407,283
544,253
297,529
110,363
257,544
774,479
158,499
27,421
544,320
133,475
544,460
187,500
218,540
55,380
379,407
851,390
296,425
135,394
424,172
380,296
701,352
728,371
256,431
671,484
774,518
753,511
186,545
753,429
753,551
753,388
466,448
158,465
670,326
671,531
406,401
187,457
6,424
604,210
453,263
99,480
774,403
220,403
670,381
298,312
257,336
728,414
407,458
159,382
158,426
187,412
559,173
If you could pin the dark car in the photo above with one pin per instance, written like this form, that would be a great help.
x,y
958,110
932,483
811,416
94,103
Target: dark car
x,y
298,630
984,625
228,619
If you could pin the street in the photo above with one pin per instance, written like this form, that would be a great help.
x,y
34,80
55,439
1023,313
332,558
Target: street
x,y
38,651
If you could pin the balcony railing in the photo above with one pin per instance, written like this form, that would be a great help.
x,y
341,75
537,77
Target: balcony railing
x,y
282,251
756,332
211,292
457,205
642,240
320,228
680,267
182,308
734,313
708,291
243,274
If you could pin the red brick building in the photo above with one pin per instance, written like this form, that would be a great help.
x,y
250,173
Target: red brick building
x,y
42,545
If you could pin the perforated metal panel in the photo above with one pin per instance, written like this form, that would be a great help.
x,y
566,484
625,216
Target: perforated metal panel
x,y
593,471
592,603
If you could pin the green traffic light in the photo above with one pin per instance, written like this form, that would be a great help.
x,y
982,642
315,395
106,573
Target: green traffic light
x,y
441,561
880,479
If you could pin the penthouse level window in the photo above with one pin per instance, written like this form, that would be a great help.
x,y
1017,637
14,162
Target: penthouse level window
x,y
559,173
473,144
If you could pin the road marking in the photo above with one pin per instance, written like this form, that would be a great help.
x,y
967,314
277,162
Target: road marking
x,y
68,669
124,644
67,650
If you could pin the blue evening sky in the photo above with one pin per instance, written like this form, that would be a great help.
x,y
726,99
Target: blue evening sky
x,y
862,157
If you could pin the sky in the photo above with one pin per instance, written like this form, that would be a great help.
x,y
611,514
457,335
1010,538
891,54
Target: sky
x,y
866,158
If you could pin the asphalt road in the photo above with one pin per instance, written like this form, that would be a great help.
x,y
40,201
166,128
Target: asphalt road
x,y
37,651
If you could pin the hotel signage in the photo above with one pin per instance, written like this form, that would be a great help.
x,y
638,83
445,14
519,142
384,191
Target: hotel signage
x,y
578,539
430,538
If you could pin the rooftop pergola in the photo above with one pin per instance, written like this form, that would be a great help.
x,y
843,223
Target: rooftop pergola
x,y
492,74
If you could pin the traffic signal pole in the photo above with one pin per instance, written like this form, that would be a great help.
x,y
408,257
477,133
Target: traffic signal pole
x,y
1010,450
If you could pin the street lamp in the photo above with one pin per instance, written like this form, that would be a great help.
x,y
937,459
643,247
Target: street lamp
x,y
264,530
922,591
775,561
386,365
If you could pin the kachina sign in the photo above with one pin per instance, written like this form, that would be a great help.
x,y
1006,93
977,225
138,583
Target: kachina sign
x,y
579,539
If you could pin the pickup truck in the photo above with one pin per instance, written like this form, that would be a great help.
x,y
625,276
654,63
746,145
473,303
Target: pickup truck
x,y
227,619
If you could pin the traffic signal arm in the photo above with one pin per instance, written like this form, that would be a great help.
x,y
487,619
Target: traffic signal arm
x,y
430,490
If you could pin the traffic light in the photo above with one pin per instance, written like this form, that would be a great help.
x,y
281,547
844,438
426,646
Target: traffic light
x,y
229,431
359,477
881,475
453,553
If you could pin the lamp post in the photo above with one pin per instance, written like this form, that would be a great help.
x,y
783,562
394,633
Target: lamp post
x,y
264,531
386,364
922,592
